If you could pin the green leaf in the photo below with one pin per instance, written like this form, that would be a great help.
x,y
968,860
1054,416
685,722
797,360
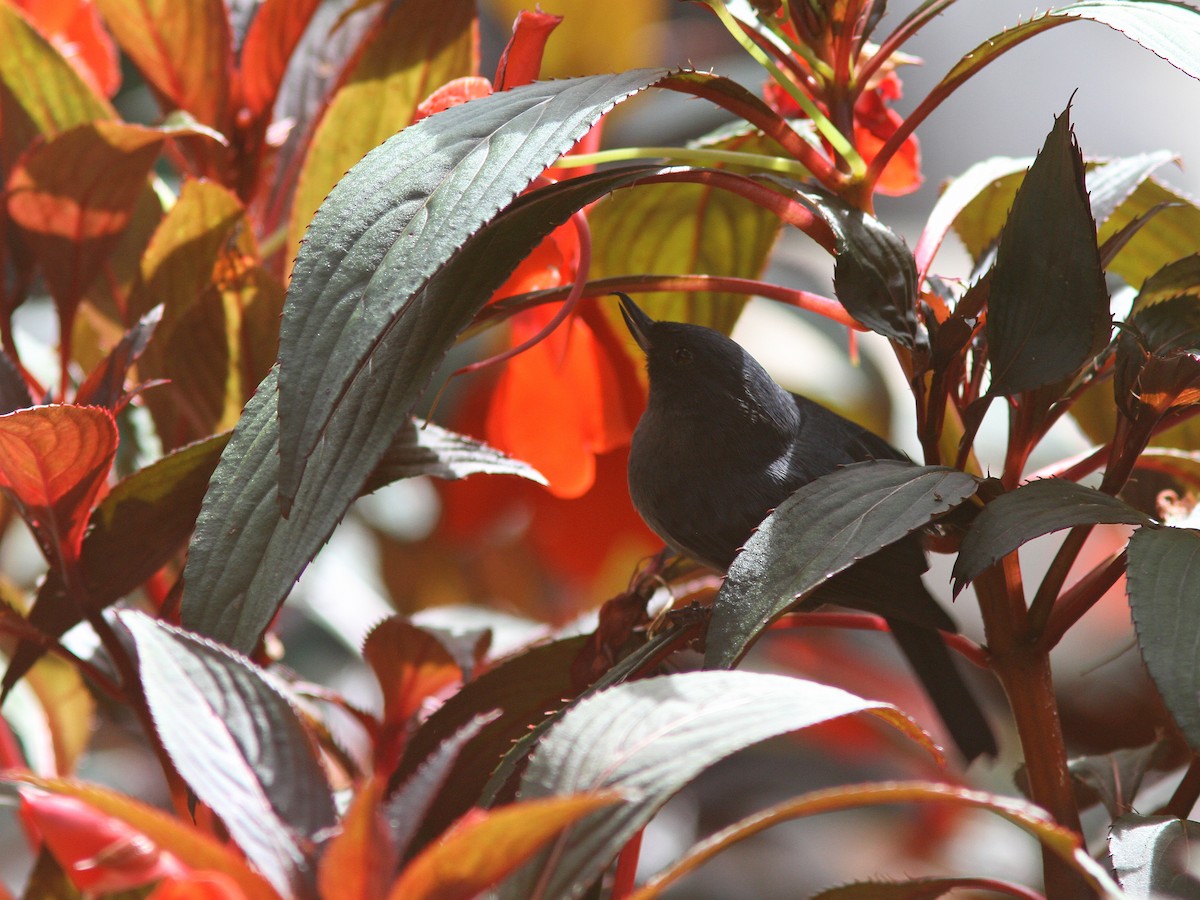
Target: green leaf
x,y
647,740
862,509
369,257
1048,306
875,275
46,86
234,737
1032,510
680,229
1169,236
1163,583
407,56
245,557
1151,855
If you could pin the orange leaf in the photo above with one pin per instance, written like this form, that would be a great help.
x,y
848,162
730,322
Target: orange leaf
x,y
53,462
484,847
74,27
183,50
74,195
192,847
359,862
411,665
97,852
198,886
452,93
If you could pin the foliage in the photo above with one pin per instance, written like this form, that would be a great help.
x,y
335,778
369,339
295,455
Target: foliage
x,y
246,336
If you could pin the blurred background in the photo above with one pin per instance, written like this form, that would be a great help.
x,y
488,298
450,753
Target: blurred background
x,y
412,548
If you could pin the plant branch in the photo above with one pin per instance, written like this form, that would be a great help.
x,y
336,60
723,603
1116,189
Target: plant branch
x,y
633,284
1079,598
1186,794
963,645
1056,577
687,155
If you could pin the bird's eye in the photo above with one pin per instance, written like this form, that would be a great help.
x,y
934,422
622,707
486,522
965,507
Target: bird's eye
x,y
682,355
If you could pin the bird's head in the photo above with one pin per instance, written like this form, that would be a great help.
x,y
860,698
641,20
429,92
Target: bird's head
x,y
690,365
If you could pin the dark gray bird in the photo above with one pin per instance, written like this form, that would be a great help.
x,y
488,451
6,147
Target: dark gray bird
x,y
721,444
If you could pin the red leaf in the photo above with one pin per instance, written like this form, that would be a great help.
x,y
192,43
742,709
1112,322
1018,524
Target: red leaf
x,y
74,195
74,28
273,34
411,666
99,853
53,462
521,61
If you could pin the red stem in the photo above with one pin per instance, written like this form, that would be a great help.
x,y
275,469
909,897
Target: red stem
x,y
1079,598
1185,796
627,863
633,284
963,645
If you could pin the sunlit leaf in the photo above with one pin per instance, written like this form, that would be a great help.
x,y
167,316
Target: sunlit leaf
x,y
105,385
184,51
646,740
411,666
1152,855
1158,359
245,557
74,27
1179,277
69,710
98,852
50,92
360,861
192,846
234,737
1163,581
863,508
413,51
1032,510
486,846
1048,304
53,462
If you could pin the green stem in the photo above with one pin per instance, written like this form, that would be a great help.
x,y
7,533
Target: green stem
x,y
687,155
838,141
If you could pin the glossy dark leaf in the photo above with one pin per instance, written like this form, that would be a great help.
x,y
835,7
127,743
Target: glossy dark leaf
x,y
105,385
646,740
1048,307
236,740
875,275
863,508
394,221
14,392
245,557
142,523
1163,583
1152,856
1158,358
1114,779
422,448
523,689
416,797
1032,510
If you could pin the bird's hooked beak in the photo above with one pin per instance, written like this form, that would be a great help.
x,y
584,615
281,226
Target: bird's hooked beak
x,y
636,321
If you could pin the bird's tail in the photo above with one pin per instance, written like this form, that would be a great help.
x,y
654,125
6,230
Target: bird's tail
x,y
939,675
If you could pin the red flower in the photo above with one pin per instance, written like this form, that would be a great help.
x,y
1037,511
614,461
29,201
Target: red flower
x,y
874,122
